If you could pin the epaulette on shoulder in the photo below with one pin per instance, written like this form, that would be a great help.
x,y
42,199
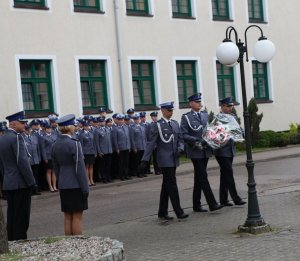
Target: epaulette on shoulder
x,y
74,139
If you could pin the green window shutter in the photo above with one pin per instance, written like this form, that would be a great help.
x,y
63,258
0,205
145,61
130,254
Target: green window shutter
x,y
260,81
87,5
36,86
256,11
93,84
181,8
137,7
143,84
226,86
186,80
220,9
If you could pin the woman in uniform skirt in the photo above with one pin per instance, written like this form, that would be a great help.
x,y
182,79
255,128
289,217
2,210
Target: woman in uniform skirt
x,y
48,140
86,138
68,163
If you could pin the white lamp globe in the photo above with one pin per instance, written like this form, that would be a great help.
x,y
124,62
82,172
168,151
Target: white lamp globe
x,y
264,50
228,53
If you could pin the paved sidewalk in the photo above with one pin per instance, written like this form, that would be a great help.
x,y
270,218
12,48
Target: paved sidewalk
x,y
267,155
213,236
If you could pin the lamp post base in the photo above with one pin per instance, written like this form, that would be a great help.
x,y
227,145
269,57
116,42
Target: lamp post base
x,y
255,229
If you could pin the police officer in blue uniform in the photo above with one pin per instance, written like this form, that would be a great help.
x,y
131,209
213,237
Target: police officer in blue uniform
x,y
70,170
103,143
121,145
224,156
191,127
18,179
153,116
165,134
138,144
33,146
86,138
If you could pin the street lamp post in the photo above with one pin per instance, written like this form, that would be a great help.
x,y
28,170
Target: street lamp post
x,y
229,53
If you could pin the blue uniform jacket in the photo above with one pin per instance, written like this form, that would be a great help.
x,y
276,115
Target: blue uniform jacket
x,y
14,162
86,139
191,128
168,146
68,164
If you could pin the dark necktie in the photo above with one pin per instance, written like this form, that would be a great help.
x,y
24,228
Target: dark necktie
x,y
170,124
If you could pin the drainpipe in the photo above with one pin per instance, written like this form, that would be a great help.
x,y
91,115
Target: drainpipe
x,y
119,49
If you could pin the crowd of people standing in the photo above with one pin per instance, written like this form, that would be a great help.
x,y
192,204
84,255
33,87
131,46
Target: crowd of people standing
x,y
108,148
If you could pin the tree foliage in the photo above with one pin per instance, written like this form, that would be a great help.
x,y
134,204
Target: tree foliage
x,y
255,120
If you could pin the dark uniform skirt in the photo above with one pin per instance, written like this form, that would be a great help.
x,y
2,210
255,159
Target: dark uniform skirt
x,y
49,164
72,200
89,159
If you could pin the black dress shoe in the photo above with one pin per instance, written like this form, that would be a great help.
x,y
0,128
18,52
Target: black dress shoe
x,y
239,203
215,207
183,216
166,217
200,209
227,204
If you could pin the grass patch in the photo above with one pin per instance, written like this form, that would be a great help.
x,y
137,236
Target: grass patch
x,y
50,240
11,256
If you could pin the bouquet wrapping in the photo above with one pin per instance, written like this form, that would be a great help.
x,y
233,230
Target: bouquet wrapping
x,y
222,128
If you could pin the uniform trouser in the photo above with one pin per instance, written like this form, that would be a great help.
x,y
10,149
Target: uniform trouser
x,y
156,168
123,159
227,180
169,189
201,183
18,213
135,161
105,165
43,185
96,169
114,169
35,171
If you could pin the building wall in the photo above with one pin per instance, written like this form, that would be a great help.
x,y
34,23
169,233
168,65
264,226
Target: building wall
x,y
65,37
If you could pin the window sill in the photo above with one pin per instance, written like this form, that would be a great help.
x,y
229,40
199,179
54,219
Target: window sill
x,y
27,6
132,13
80,10
94,111
222,19
146,108
257,22
38,114
183,17
258,101
184,106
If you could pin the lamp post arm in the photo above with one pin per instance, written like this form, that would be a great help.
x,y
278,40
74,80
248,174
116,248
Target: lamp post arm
x,y
245,36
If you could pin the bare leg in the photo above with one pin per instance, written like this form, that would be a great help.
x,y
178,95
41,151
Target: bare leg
x,y
77,223
87,173
49,179
68,223
90,171
53,178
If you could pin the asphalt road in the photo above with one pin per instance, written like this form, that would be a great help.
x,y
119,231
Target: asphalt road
x,y
127,211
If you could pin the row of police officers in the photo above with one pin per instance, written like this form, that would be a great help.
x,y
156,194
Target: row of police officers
x,y
120,147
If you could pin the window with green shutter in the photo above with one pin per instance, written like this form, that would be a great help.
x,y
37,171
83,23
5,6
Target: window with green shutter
x,y
256,11
260,81
143,84
93,85
186,81
226,85
181,8
137,7
39,4
36,87
93,6
220,10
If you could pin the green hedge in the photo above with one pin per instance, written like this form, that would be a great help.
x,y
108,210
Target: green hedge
x,y
269,139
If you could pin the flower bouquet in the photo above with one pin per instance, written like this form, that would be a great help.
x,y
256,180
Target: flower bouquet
x,y
222,128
